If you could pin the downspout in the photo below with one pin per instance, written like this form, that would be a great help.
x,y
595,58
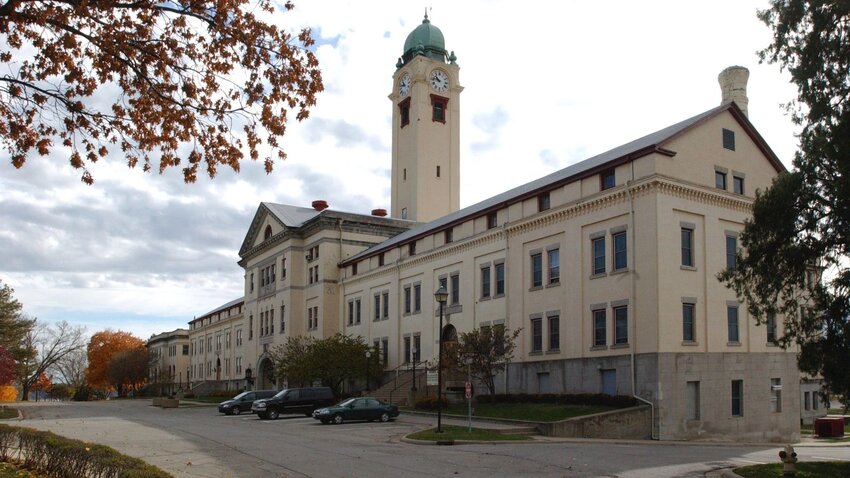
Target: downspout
x,y
507,295
633,303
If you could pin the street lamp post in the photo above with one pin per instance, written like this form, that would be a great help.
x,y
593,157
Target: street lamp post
x,y
441,295
368,356
468,362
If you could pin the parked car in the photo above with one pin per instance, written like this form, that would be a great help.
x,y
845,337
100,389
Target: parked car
x,y
293,400
364,408
242,402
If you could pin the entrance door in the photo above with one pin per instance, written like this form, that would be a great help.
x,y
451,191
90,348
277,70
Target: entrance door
x,y
609,382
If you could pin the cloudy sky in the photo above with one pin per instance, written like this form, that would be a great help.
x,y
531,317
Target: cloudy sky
x,y
547,84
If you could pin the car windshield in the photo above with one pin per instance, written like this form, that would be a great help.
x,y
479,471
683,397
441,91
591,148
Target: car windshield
x,y
345,402
239,397
282,393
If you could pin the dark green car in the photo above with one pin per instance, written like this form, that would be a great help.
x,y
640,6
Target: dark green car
x,y
364,408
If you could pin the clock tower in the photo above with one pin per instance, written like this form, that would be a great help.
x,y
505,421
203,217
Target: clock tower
x,y
426,128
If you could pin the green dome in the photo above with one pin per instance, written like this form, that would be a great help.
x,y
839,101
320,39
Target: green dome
x,y
426,39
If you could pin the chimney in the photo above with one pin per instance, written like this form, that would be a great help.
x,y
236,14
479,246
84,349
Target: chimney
x,y
320,204
379,212
733,86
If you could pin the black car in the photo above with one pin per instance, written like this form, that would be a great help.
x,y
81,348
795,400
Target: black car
x,y
242,402
364,408
294,400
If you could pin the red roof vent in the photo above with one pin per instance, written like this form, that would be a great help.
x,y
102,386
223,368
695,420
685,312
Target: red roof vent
x,y
320,204
379,212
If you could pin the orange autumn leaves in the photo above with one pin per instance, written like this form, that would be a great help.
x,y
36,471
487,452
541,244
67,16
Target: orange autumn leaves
x,y
196,85
102,348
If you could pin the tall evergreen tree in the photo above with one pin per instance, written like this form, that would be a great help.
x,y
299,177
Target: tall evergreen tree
x,y
796,256
14,326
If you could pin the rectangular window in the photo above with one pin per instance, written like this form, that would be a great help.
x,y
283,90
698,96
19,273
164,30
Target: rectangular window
x,y
438,173
731,249
485,282
381,259
599,328
806,401
186,347
282,318
356,311
554,332
411,249
621,325
737,398
554,266
620,252
729,139
283,268
536,335
543,202
687,247
316,317
417,298
776,395
407,298
814,400
500,279
351,312
449,236
738,184
404,112
444,283
417,350
536,270
607,180
309,318
598,255
720,180
385,351
439,109
377,306
688,322
455,289
354,269
407,349
692,400
491,220
386,310
732,323
770,324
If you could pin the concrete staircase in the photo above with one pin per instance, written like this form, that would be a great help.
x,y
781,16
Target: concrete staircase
x,y
397,388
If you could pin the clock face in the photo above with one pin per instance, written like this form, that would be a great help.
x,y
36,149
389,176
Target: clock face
x,y
439,80
404,85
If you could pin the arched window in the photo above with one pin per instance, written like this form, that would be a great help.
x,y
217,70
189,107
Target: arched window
x,y
268,233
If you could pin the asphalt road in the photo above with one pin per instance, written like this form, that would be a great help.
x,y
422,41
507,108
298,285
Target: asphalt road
x,y
199,442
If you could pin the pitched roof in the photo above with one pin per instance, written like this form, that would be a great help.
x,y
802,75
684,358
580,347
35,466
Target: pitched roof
x,y
291,216
220,308
651,143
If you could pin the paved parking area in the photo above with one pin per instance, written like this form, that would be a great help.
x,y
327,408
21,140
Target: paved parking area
x,y
200,442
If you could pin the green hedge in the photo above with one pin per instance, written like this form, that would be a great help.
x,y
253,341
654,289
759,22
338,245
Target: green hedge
x,y
618,401
53,455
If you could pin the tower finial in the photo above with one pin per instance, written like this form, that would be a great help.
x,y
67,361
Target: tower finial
x,y
426,13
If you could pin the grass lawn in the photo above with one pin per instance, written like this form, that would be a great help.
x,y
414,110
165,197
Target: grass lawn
x,y
8,412
451,432
534,412
9,471
824,469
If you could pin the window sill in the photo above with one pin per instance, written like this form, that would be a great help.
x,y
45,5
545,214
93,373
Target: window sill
x,y
597,276
553,352
553,284
733,344
599,347
687,268
484,299
498,296
620,346
535,287
771,344
535,352
690,343
620,271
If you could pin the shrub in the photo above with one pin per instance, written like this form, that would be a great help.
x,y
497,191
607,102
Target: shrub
x,y
53,455
189,395
429,403
8,393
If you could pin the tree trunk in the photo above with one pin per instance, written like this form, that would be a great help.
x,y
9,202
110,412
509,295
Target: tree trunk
x,y
25,389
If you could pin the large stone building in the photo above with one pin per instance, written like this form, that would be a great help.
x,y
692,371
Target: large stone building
x,y
608,266
169,367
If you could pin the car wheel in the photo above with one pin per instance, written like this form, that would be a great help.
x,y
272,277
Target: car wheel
x,y
385,417
338,419
273,414
235,411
